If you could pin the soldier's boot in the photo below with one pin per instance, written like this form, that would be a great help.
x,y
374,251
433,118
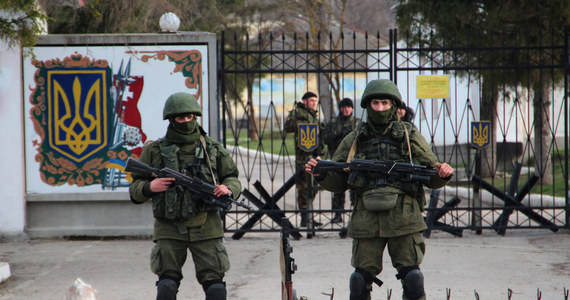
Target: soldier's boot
x,y
360,284
337,218
167,288
412,282
215,289
305,218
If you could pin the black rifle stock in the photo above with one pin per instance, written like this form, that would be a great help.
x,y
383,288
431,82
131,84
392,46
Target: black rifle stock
x,y
203,190
401,170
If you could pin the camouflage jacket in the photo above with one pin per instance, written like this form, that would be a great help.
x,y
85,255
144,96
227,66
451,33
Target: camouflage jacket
x,y
337,129
300,114
206,224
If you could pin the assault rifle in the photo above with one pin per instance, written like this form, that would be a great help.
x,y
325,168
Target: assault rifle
x,y
399,170
288,266
203,190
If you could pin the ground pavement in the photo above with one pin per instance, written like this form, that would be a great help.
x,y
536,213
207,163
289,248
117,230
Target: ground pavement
x,y
531,263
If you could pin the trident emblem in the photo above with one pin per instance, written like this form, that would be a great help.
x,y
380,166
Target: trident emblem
x,y
480,134
77,105
307,139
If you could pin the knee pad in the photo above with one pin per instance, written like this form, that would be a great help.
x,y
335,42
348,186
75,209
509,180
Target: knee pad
x,y
215,290
360,287
166,289
413,282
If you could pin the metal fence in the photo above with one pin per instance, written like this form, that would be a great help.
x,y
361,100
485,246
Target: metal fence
x,y
518,180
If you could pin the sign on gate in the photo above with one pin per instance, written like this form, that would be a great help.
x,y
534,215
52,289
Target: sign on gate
x,y
480,134
432,86
307,136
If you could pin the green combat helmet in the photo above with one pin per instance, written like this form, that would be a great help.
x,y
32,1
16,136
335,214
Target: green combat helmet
x,y
381,89
181,103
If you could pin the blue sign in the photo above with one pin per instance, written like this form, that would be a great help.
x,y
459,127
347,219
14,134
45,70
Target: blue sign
x,y
307,138
77,106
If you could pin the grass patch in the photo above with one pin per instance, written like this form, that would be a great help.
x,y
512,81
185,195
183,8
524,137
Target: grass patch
x,y
556,189
269,142
272,142
502,182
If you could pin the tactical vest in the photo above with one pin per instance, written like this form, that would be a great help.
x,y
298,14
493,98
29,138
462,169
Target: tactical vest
x,y
339,128
392,145
177,203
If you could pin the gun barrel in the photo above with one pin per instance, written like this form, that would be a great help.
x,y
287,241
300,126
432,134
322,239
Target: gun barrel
x,y
221,204
420,178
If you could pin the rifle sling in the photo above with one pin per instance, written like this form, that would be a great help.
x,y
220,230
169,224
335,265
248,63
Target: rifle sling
x,y
407,139
203,141
352,151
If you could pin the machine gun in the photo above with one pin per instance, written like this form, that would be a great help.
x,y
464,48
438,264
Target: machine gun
x,y
199,188
399,170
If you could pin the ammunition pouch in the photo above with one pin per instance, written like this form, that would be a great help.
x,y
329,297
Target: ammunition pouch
x,y
380,198
174,204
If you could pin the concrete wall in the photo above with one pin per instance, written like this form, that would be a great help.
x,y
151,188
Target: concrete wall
x,y
66,213
12,201
94,214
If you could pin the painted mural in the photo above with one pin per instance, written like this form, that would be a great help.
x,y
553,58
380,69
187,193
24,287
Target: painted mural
x,y
90,108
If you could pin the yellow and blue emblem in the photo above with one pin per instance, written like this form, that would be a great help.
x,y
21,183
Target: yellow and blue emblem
x,y
77,112
480,133
307,137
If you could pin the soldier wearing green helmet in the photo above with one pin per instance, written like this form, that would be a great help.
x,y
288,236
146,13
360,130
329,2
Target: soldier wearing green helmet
x,y
381,89
179,103
186,148
387,212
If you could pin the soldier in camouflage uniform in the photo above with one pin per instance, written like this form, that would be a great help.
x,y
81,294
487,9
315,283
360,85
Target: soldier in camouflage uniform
x,y
305,112
388,212
406,113
337,129
181,222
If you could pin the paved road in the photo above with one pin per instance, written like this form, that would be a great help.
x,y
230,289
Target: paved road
x,y
524,261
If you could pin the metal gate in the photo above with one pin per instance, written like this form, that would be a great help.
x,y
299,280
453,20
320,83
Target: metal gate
x,y
518,179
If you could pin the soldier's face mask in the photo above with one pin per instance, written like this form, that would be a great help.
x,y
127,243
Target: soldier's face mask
x,y
380,117
184,124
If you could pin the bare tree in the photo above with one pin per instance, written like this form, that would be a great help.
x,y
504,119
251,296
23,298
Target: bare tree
x,y
371,16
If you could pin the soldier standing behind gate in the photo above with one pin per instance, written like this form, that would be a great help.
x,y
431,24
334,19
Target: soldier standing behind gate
x,y
304,122
387,211
336,130
181,222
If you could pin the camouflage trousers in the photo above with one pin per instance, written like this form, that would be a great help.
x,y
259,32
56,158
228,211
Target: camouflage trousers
x,y
307,186
339,199
210,258
405,251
